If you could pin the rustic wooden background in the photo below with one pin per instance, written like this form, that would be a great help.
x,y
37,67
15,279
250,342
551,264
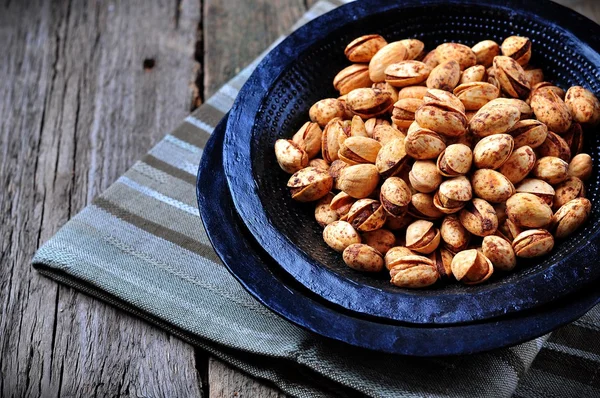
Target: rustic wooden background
x,y
86,88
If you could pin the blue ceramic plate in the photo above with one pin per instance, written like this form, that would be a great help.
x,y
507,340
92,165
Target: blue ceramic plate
x,y
274,103
273,287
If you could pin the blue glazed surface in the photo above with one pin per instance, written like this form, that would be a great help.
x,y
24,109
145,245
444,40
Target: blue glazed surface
x,y
275,101
265,280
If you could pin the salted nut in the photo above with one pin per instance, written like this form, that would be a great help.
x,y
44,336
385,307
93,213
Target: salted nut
x,y
574,138
442,113
453,194
500,252
430,59
422,206
500,209
528,132
492,151
358,181
391,158
528,210
524,108
539,188
310,184
473,74
485,52
471,267
546,86
374,122
355,150
456,52
394,254
330,144
455,160
324,214
494,119
581,166
491,186
570,217
290,156
309,138
533,243
387,87
414,272
534,76
397,223
479,218
510,230
422,237
407,73
511,77
366,215
566,191
335,169
551,169
551,110
555,145
319,163
583,106
391,53
381,240
385,133
339,235
423,143
363,258
341,203
325,110
403,113
476,94
518,48
364,48
395,196
454,234
352,77
412,92
369,102
519,164
445,76
442,258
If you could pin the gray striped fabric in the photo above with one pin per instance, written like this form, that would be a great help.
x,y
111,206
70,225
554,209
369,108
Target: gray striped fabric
x,y
140,246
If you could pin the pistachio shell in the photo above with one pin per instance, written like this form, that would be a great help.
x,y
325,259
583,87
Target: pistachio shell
x,y
422,206
491,186
310,184
528,210
335,170
352,77
569,189
511,77
500,252
395,196
369,102
555,145
540,188
524,108
479,218
391,157
492,151
442,259
424,176
406,73
445,76
476,94
574,138
319,163
404,110
471,267
324,214
359,181
551,110
394,254
455,160
531,133
456,189
361,257
309,138
534,76
389,54
339,235
290,157
485,51
414,272
533,243
551,169
381,240
583,105
414,48
518,48
494,119
325,110
441,120
422,237
454,234
356,150
397,223
456,52
423,143
430,59
519,164
341,203
330,144
412,92
366,215
570,217
363,48
387,87
581,166
385,133
473,74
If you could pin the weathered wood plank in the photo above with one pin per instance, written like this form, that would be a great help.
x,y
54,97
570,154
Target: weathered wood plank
x,y
77,109
226,382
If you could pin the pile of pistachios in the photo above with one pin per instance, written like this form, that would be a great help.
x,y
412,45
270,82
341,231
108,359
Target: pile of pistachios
x,y
443,165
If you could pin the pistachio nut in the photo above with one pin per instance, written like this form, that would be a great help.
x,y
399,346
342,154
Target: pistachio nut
x,y
359,180
422,237
352,77
391,53
387,87
583,106
423,143
511,77
422,206
455,160
369,102
470,115
539,188
570,217
509,230
551,110
318,163
518,48
397,223
500,209
456,52
485,51
391,157
394,254
430,59
309,138
324,214
528,210
581,166
442,258
574,138
492,151
335,169
453,194
476,94
395,196
445,76
473,74
385,133
403,113
519,164
414,272
310,184
357,128
494,119
341,203
363,48
414,48
290,156
491,73
443,99
533,243
524,108
455,236
554,145
424,176
566,191
479,218
471,267
361,257
500,252
534,76
491,186
339,235
330,143
531,133
546,86
325,110
366,215
407,73
355,150
381,240
417,92
441,119
551,169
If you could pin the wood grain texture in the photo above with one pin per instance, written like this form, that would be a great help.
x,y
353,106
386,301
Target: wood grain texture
x,y
225,382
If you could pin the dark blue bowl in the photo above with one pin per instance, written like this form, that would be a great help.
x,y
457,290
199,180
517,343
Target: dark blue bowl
x,y
274,103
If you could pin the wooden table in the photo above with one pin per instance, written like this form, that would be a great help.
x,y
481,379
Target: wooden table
x,y
86,88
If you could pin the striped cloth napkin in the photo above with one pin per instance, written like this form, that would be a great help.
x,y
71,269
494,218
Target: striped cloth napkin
x,y
140,246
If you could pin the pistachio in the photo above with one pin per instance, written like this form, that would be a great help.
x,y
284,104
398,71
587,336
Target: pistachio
x,y
323,213
509,230
330,144
309,138
356,150
456,52
555,145
583,106
403,113
391,157
391,53
395,196
581,166
471,267
335,170
397,223
352,77
325,110
454,234
339,235
518,48
414,272
491,186
445,76
422,237
485,51
357,127
443,99
570,217
430,59
500,209
551,110
546,86
500,252
406,73
569,189
442,259
455,160
551,169
453,194
423,143
531,133
318,163
533,243
442,119
347,113
528,210
387,87
366,215
394,254
359,181
341,203
414,48
473,74
363,48
519,164
539,188
424,176
310,184
511,77
381,240
422,206
290,157
493,151
534,76
494,119
361,257
479,218
574,138
369,102
524,108
412,92
476,94
385,133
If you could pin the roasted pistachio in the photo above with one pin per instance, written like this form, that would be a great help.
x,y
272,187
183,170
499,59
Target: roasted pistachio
x,y
369,102
339,235
325,110
494,119
389,54
290,157
330,143
522,106
363,48
387,87
569,189
444,116
385,133
398,223
412,92
372,123
414,48
500,252
455,160
492,151
366,215
407,73
454,234
479,218
555,145
574,138
528,210
310,184
456,52
519,164
423,143
581,166
511,77
335,170
352,77
414,272
445,76
363,258
381,240
529,132
485,51
540,188
430,59
491,186
309,138
394,254
424,176
518,48
476,94
319,163
534,76
403,113
473,74
453,195
356,150
324,214
500,209
570,217
422,206
391,158
471,267
583,106
551,110
509,230
341,203
395,196
442,258
422,237
358,181
533,243
551,169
